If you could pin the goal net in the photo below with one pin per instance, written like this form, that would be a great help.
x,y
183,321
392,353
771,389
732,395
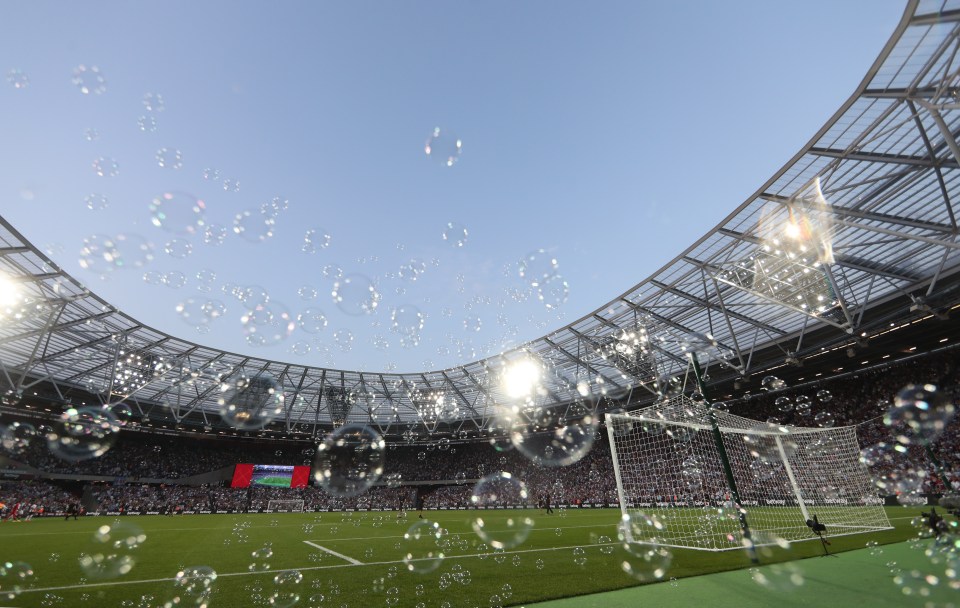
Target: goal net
x,y
670,475
285,505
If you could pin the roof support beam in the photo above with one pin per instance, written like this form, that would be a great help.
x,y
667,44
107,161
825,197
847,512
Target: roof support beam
x,y
876,157
721,310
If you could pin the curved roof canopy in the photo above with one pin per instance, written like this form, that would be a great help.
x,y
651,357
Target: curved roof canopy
x,y
857,229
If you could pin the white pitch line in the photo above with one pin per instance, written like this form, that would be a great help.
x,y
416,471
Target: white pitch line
x,y
355,562
311,568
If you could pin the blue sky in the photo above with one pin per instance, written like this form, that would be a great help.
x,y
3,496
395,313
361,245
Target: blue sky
x,y
611,135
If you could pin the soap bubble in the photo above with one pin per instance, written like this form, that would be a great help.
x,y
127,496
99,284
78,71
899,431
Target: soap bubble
x,y
455,235
153,102
214,234
111,551
17,437
178,213
355,295
106,167
285,591
640,535
314,239
250,402
501,489
553,292
14,577
267,324
312,320
406,320
179,249
147,124
254,226
349,461
422,545
922,410
443,147
82,433
538,267
553,437
194,584
89,80
343,338
169,158
17,79
96,202
772,383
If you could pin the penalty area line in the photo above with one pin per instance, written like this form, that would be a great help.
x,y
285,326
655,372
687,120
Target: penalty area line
x,y
355,562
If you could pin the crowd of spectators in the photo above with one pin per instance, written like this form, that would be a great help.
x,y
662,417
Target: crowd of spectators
x,y
34,496
899,462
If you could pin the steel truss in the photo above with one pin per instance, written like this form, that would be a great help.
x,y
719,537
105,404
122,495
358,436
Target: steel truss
x,y
862,216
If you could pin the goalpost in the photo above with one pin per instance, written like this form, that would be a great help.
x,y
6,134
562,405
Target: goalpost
x,y
285,505
669,468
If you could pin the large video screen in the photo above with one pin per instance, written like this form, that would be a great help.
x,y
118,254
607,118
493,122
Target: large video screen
x,y
272,475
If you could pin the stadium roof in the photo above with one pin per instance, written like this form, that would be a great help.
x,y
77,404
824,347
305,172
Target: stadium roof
x,y
860,221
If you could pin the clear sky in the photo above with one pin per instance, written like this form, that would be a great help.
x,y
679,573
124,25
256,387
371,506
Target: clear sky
x,y
609,134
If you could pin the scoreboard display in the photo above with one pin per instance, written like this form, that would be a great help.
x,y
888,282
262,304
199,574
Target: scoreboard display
x,y
271,475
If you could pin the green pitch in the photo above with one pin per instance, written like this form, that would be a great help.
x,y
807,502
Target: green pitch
x,y
356,559
279,481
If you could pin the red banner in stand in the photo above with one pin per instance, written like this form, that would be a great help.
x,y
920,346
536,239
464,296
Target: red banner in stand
x,y
301,477
242,476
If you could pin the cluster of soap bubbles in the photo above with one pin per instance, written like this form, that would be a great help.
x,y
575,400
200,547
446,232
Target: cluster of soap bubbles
x,y
540,271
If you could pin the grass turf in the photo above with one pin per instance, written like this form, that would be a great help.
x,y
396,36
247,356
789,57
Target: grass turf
x,y
543,567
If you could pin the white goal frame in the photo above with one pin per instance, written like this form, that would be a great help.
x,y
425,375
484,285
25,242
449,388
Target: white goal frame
x,y
293,506
667,464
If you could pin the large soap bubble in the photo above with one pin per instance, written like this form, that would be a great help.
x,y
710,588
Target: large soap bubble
x,y
920,413
422,545
250,402
350,460
646,560
555,436
495,491
14,576
83,433
111,552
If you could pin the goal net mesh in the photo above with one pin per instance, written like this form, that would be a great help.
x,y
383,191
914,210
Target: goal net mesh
x,y
285,505
668,466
